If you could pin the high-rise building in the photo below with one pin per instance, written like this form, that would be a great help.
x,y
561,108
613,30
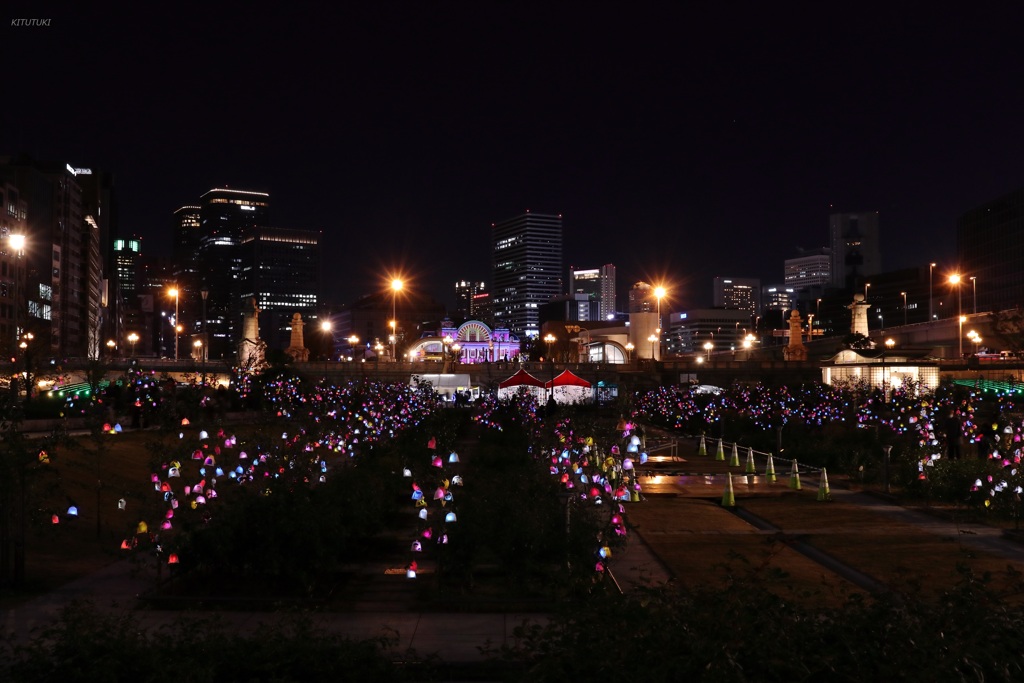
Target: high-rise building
x,y
737,292
62,294
465,298
126,263
598,284
856,250
527,270
281,271
224,215
990,248
13,226
778,298
810,269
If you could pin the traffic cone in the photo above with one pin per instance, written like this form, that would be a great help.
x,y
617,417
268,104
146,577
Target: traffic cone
x,y
823,492
769,471
794,477
728,497
734,459
703,450
751,469
720,451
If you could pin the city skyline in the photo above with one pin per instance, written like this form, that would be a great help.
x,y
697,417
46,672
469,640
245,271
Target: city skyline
x,y
678,144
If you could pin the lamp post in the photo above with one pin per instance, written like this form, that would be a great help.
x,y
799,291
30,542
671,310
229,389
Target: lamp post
x,y
653,339
954,280
325,327
111,345
867,285
629,352
931,268
352,341
132,338
974,286
904,295
889,343
378,348
173,291
456,350
396,287
975,339
550,339
205,292
659,294
446,343
707,348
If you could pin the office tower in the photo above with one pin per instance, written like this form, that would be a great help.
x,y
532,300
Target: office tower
x,y
737,292
281,271
527,270
778,298
810,269
62,296
642,299
990,248
224,214
126,263
466,292
856,250
598,284
13,226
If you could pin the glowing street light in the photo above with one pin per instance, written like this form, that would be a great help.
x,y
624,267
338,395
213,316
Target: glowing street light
x,y
173,291
954,280
629,352
931,268
352,342
975,339
132,338
904,295
707,348
396,287
550,339
974,286
111,344
653,339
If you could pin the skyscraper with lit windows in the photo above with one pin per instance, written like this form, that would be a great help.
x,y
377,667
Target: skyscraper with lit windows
x,y
527,266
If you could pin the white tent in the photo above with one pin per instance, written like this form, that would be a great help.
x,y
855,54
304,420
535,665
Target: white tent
x,y
522,381
570,388
447,384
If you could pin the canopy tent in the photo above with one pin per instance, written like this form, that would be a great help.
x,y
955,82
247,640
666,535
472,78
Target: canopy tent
x,y
522,381
449,384
570,388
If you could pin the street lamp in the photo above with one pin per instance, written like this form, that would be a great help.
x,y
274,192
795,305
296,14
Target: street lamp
x,y
352,341
960,335
889,343
954,280
550,339
866,286
975,339
378,348
707,347
629,352
396,287
197,345
974,286
653,339
456,348
931,267
111,344
132,338
904,295
659,294
447,342
325,327
205,292
173,291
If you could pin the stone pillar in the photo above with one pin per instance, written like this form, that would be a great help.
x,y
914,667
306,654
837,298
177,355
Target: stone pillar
x,y
796,351
859,315
297,347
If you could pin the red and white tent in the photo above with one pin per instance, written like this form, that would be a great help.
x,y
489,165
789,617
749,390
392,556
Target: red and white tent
x,y
570,388
522,381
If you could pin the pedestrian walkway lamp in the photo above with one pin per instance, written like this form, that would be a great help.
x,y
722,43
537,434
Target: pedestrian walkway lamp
x,y
707,347
132,338
550,339
173,291
629,352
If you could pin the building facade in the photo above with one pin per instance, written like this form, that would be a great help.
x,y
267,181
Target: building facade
x,y
990,249
527,267
737,292
598,284
281,272
224,215
856,248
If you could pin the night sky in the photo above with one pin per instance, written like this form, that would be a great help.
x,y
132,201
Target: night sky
x,y
678,141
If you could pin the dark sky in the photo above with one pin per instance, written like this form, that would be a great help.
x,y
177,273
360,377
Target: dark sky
x,y
678,141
